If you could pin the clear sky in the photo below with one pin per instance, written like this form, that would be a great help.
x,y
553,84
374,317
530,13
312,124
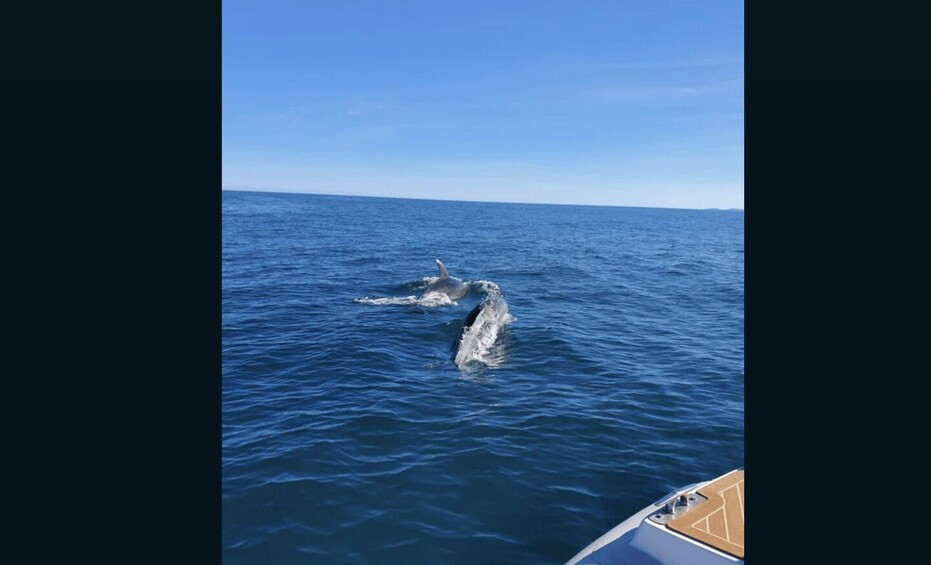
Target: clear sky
x,y
616,102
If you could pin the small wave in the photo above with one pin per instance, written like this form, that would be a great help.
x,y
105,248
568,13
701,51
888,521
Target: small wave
x,y
489,288
422,283
429,300
416,284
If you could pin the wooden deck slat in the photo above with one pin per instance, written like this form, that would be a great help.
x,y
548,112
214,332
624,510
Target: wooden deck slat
x,y
720,521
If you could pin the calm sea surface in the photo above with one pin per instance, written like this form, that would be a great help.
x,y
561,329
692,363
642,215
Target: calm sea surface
x,y
349,436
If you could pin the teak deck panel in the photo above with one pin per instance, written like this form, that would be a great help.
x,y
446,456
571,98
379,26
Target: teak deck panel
x,y
720,521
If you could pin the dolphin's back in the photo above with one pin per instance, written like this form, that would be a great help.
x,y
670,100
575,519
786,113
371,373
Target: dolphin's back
x,y
480,331
466,324
450,286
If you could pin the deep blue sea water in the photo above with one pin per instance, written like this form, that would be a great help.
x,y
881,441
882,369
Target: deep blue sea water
x,y
349,436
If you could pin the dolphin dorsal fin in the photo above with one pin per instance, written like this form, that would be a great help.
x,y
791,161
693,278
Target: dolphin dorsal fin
x,y
443,273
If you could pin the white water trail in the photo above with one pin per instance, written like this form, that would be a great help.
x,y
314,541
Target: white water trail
x,y
429,300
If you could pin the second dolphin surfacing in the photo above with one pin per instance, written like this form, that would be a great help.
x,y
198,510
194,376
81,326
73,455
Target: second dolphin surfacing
x,y
480,330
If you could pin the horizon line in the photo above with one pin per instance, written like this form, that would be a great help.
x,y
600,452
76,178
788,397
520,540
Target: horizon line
x,y
285,191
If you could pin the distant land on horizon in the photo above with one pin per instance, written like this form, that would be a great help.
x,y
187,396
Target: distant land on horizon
x,y
279,191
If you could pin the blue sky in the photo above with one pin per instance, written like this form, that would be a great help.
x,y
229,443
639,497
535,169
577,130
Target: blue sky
x,y
631,103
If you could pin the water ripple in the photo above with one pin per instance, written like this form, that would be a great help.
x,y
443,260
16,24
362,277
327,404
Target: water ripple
x,y
349,434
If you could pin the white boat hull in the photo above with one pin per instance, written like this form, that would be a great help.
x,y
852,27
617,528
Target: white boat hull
x,y
646,539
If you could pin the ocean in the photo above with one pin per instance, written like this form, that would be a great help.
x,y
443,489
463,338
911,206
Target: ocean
x,y
351,436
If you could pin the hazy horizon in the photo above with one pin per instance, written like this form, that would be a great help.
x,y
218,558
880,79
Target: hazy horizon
x,y
275,191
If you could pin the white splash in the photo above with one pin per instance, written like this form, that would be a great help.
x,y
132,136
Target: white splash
x,y
489,288
429,300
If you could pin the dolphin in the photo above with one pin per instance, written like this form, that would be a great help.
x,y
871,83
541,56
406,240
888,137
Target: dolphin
x,y
466,324
480,330
450,286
